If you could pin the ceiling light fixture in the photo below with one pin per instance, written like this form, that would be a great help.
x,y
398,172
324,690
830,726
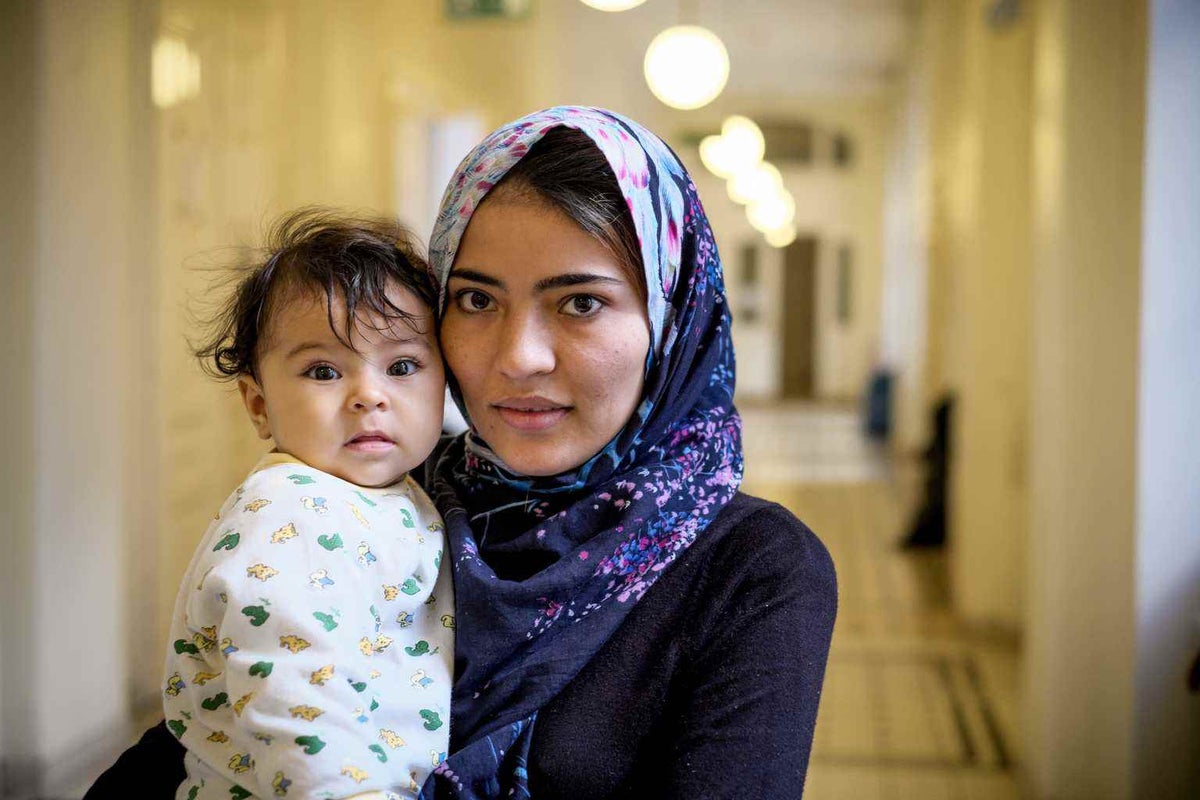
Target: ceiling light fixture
x,y
612,5
686,66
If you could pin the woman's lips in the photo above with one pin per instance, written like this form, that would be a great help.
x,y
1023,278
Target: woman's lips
x,y
530,414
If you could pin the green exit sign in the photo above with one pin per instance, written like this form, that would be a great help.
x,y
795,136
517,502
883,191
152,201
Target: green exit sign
x,y
475,9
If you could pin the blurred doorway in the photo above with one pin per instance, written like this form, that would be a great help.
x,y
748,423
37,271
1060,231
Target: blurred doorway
x,y
799,318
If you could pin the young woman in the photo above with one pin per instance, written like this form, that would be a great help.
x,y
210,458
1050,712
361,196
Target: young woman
x,y
628,623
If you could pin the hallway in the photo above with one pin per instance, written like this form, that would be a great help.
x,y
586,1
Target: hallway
x,y
990,202
914,703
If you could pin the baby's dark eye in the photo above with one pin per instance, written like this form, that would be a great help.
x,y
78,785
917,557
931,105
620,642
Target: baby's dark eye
x,y
322,372
402,368
581,305
473,300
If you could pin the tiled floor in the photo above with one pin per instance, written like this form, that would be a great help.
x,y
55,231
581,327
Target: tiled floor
x,y
914,705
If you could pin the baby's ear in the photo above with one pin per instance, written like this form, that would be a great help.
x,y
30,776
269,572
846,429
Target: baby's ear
x,y
256,405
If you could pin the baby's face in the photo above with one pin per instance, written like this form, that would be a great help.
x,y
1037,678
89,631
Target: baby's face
x,y
367,417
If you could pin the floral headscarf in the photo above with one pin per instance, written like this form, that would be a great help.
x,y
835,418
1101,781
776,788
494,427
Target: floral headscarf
x,y
598,536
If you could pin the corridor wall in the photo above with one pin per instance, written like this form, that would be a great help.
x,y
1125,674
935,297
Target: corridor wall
x,y
969,93
1166,716
75,328
1088,148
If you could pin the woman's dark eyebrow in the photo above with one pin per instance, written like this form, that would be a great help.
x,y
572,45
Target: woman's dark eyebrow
x,y
572,279
554,282
476,277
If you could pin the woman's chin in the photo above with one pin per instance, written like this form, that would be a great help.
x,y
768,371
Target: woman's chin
x,y
538,460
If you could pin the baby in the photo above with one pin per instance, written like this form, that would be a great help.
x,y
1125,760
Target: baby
x,y
311,648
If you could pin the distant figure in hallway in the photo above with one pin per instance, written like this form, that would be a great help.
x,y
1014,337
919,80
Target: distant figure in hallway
x,y
928,527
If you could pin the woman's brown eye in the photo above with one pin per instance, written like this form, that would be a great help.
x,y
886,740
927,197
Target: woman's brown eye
x,y
478,300
582,305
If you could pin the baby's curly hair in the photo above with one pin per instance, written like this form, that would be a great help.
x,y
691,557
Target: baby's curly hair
x,y
315,251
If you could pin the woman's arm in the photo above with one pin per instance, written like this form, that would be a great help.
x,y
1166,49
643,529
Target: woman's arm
x,y
754,674
151,769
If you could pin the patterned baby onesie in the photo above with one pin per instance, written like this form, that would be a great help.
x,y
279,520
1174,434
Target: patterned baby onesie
x,y
311,649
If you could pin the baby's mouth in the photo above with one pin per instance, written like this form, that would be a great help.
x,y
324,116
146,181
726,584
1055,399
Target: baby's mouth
x,y
369,441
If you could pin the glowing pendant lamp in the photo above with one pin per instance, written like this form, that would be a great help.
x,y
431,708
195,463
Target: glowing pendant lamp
x,y
686,66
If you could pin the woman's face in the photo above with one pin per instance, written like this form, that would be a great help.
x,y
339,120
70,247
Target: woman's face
x,y
546,335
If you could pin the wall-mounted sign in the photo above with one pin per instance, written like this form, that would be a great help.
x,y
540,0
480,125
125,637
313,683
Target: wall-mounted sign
x,y
487,9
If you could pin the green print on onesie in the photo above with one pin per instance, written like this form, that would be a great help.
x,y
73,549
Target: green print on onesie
x,y
365,499
421,648
257,614
238,793
261,669
378,751
330,543
433,720
300,480
311,744
327,621
215,702
184,646
228,541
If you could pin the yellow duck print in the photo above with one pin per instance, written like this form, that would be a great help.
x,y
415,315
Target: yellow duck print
x,y
201,678
293,643
355,774
175,684
261,571
241,703
283,534
316,504
358,515
218,737
382,643
390,592
280,785
256,505
206,639
448,621
241,762
391,738
364,646
203,578
322,675
306,713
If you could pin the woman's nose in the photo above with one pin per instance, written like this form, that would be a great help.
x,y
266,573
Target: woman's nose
x,y
525,347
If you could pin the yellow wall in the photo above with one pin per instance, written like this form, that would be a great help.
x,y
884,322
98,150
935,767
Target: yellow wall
x,y
1088,155
18,215
979,296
